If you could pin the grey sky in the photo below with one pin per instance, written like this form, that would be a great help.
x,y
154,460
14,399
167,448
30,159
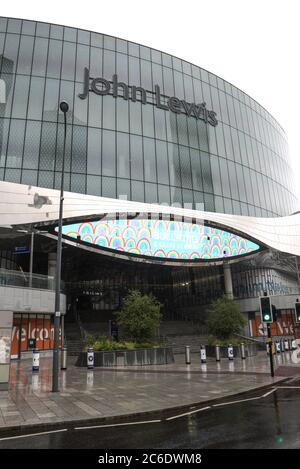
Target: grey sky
x,y
253,44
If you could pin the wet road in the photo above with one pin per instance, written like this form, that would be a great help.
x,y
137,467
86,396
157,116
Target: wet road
x,y
269,419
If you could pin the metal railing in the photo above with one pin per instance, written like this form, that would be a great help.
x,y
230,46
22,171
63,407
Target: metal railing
x,y
16,278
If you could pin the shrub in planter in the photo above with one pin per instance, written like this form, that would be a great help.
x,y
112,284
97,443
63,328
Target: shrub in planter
x,y
225,319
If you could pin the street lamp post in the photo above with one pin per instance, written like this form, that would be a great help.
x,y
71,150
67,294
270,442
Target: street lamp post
x,y
64,107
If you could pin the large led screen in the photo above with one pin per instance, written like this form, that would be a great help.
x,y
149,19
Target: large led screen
x,y
160,238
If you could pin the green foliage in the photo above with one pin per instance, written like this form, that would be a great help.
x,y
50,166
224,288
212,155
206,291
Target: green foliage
x,y
229,340
104,343
225,319
140,316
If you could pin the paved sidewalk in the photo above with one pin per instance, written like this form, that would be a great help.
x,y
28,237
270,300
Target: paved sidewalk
x,y
101,393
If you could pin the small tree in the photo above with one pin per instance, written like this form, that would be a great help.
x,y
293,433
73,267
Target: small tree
x,y
225,318
140,316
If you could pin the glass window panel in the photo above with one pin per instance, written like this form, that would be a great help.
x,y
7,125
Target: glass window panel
x,y
206,172
122,115
84,37
47,151
198,91
36,97
146,75
151,196
209,203
121,46
14,25
79,149
60,147
243,148
157,76
188,89
206,95
216,176
160,123
94,152
70,34
122,68
196,170
224,110
148,120
54,58
80,105
123,167
156,56
241,182
95,110
123,189
219,204
136,157
68,62
188,199
168,81
163,194
193,132
78,183
207,137
145,53
228,142
13,175
96,69
109,112
177,64
42,29
93,185
185,167
32,145
40,56
9,61
109,42
149,160
182,129
220,139
135,117
56,31
20,96
4,126
134,71
248,185
108,153
109,187
236,145
46,179
3,24
137,191
25,55
178,83
109,64
174,165
162,162
133,49
228,205
97,40
51,100
233,180
82,60
224,177
15,144
176,196
29,177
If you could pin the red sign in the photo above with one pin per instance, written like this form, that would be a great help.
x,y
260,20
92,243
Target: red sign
x,y
285,325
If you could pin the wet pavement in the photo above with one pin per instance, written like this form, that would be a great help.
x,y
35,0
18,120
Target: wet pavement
x,y
101,394
261,420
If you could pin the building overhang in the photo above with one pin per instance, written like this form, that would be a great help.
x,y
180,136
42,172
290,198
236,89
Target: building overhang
x,y
30,207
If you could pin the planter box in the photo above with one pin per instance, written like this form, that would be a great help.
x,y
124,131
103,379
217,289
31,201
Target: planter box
x,y
250,350
136,357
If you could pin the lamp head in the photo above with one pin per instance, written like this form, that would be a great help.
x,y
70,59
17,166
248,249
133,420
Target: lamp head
x,y
64,107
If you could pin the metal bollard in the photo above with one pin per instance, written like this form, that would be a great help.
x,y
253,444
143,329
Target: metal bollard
x,y
90,358
282,345
277,343
218,355
203,354
187,355
63,358
290,344
294,344
35,360
243,351
230,352
286,345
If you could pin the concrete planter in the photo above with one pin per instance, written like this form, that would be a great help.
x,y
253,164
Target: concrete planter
x,y
250,350
136,357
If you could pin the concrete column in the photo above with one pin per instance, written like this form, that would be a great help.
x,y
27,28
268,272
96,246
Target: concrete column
x,y
228,280
51,268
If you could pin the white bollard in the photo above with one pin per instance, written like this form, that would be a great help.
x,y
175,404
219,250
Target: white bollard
x,y
230,352
203,354
90,358
35,360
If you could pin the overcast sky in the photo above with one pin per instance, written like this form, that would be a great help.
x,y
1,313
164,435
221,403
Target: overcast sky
x,y
254,44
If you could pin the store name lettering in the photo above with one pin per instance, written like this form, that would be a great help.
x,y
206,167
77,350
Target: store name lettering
x,y
102,87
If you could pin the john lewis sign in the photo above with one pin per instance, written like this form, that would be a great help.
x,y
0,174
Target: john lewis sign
x,y
102,87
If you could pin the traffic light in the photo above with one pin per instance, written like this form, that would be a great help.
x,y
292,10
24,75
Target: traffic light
x,y
297,312
266,309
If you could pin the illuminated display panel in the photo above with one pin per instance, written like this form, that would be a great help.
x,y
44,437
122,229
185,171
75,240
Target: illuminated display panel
x,y
160,238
